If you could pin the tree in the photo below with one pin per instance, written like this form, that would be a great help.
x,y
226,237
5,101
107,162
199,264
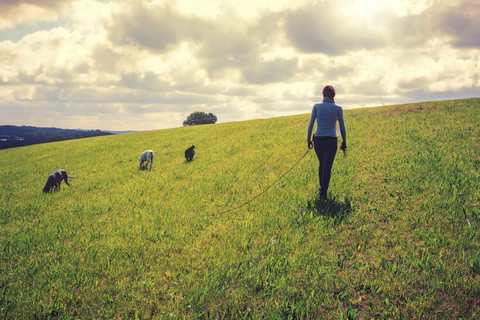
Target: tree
x,y
199,117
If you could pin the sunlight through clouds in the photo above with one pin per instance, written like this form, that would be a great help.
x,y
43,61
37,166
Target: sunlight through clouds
x,y
367,9
139,65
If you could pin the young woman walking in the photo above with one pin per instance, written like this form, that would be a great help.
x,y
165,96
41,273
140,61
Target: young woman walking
x,y
326,113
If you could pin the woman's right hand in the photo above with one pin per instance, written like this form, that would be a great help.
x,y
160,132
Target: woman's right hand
x,y
310,144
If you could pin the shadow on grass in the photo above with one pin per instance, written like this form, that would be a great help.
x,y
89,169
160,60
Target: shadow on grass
x,y
330,208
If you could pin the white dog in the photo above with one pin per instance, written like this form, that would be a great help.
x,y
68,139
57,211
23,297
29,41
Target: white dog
x,y
147,156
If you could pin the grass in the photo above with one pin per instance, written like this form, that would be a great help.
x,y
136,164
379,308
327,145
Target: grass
x,y
398,237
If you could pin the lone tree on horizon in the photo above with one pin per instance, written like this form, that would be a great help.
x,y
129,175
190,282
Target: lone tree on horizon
x,y
199,117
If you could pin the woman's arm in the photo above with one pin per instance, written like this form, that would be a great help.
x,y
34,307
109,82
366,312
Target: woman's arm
x,y
341,123
313,117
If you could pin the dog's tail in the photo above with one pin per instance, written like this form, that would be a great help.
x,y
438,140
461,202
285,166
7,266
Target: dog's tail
x,y
72,176
156,151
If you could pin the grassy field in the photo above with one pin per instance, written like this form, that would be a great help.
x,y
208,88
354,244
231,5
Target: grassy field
x,y
399,237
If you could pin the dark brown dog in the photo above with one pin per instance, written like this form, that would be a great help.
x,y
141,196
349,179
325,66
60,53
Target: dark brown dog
x,y
189,153
55,179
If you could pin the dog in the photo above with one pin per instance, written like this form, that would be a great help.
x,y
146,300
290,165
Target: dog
x,y
55,179
147,156
189,153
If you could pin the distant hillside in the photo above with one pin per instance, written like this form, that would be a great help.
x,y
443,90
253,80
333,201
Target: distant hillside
x,y
17,136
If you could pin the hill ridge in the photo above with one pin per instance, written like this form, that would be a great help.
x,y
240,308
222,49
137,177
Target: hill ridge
x,y
17,136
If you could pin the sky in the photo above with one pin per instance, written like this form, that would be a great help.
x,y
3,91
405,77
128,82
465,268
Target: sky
x,y
146,64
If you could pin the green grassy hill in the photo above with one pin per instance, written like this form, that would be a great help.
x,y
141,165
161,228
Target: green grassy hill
x,y
399,237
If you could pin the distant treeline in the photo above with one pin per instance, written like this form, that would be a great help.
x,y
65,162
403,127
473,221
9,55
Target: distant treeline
x,y
17,136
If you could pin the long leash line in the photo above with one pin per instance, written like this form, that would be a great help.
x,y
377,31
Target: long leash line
x,y
266,189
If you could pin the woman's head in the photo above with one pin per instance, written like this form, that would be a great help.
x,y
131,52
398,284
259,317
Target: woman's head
x,y
329,92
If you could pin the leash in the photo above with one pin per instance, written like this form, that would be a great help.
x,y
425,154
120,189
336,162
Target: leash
x,y
267,188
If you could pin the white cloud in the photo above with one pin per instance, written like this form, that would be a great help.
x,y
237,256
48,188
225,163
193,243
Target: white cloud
x,y
148,64
30,11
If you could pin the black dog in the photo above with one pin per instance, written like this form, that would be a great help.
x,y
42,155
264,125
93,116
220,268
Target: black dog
x,y
189,153
55,179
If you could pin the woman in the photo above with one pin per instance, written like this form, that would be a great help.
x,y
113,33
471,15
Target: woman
x,y
327,114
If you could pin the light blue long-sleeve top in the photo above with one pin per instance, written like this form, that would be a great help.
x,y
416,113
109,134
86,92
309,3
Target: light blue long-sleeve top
x,y
327,113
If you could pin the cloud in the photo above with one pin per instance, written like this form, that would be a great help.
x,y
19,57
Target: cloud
x,y
156,28
148,81
106,60
323,27
148,64
217,44
38,3
427,95
460,22
20,11
270,71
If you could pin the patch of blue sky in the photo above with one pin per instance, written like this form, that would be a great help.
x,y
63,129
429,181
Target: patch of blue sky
x,y
20,30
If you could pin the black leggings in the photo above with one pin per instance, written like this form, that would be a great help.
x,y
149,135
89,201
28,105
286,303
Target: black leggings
x,y
326,149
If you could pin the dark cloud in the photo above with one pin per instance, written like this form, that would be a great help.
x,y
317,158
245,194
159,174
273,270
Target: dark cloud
x,y
409,31
414,84
40,3
218,45
457,20
106,59
270,71
9,6
233,48
424,94
13,11
461,22
155,28
233,44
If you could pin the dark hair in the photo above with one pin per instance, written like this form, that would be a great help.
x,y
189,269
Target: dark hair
x,y
329,91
